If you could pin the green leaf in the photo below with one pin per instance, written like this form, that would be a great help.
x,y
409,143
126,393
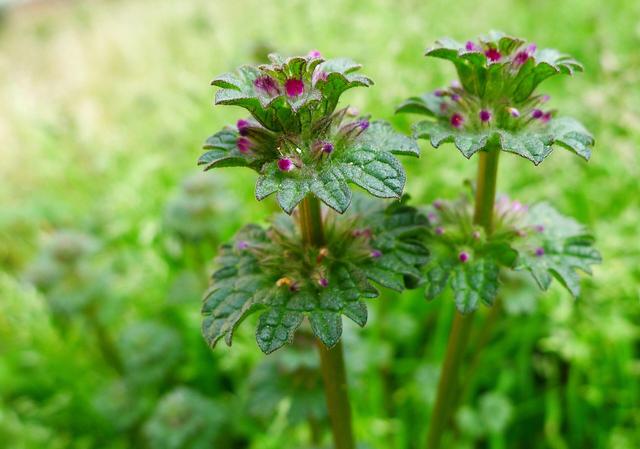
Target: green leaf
x,y
436,279
276,328
475,281
327,326
530,145
570,134
535,144
427,104
377,172
380,136
567,248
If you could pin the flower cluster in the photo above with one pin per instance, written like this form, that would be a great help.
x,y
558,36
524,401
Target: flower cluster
x,y
494,100
297,140
534,238
271,269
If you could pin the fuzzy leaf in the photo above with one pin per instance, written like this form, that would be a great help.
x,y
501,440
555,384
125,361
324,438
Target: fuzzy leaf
x,y
271,272
276,328
534,145
473,282
383,138
367,162
570,134
565,247
427,104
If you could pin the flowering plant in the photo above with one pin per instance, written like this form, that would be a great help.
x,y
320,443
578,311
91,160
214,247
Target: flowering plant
x,y
491,108
272,271
537,239
297,140
316,265
494,102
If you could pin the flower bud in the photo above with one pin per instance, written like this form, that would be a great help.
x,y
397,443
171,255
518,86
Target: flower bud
x,y
539,252
376,254
492,54
243,126
267,85
285,164
463,256
457,120
537,113
294,87
485,115
243,144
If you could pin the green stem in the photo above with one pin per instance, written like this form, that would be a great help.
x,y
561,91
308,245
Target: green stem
x,y
445,405
106,345
331,359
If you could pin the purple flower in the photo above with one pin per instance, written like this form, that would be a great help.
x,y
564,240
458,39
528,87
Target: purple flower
x,y
463,256
243,144
537,113
438,204
514,112
268,85
294,87
242,245
539,228
323,282
327,147
455,97
375,254
539,252
523,55
432,217
243,126
546,117
314,54
439,230
438,93
470,46
363,124
456,120
545,98
285,164
493,54
485,115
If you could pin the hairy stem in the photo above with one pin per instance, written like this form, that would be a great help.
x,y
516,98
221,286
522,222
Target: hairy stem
x,y
331,359
461,328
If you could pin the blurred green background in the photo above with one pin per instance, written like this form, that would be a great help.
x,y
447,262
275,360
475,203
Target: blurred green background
x,y
107,233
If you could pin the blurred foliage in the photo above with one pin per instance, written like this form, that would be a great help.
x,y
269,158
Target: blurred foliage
x,y
103,106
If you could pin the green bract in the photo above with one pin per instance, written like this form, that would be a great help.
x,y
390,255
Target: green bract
x,y
272,271
296,139
537,239
495,104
